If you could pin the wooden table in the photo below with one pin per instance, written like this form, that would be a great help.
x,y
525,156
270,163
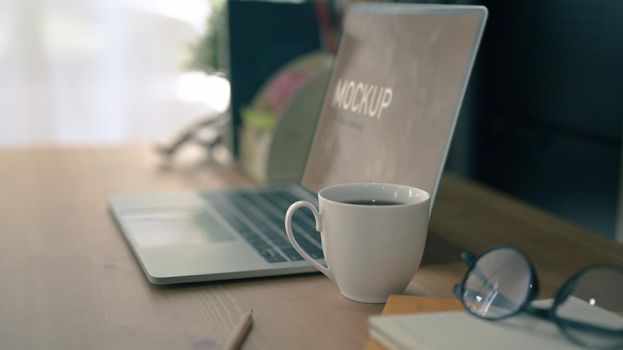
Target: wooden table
x,y
69,281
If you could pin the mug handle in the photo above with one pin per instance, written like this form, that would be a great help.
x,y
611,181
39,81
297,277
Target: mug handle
x,y
288,220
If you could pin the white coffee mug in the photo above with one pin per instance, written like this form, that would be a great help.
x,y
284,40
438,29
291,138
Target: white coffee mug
x,y
372,247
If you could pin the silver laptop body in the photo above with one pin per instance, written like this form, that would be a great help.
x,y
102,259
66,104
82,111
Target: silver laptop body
x,y
388,116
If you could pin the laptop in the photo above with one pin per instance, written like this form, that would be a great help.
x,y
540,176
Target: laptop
x,y
388,115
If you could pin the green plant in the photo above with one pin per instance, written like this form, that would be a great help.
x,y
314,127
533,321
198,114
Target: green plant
x,y
209,52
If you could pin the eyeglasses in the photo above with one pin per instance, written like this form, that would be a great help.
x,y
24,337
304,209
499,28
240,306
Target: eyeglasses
x,y
588,308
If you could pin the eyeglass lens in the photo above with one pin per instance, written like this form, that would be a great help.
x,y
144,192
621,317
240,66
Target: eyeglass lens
x,y
592,313
498,284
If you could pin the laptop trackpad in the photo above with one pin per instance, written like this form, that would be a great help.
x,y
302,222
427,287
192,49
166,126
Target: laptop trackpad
x,y
153,228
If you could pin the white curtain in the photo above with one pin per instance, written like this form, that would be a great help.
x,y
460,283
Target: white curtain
x,y
96,71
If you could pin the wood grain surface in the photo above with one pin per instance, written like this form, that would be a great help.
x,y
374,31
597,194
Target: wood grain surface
x,y
69,281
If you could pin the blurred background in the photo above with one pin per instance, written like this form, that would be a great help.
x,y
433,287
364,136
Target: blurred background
x,y
101,72
544,112
541,119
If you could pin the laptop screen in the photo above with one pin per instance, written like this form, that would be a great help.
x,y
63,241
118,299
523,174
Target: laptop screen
x,y
394,95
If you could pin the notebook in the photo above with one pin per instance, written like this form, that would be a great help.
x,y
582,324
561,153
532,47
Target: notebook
x,y
460,330
403,304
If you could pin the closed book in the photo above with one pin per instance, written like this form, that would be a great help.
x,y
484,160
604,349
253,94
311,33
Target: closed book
x,y
461,330
401,304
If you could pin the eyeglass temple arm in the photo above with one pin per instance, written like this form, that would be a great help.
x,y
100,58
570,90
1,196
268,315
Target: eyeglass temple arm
x,y
577,325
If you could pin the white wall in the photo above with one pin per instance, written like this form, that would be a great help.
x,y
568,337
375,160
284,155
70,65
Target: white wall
x,y
96,71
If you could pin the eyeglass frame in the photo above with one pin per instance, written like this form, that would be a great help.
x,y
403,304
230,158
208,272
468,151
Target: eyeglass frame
x,y
559,298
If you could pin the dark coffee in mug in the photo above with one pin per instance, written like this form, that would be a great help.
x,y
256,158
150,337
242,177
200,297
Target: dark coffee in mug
x,y
375,202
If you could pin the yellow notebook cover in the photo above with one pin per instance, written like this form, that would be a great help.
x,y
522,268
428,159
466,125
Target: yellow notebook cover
x,y
401,304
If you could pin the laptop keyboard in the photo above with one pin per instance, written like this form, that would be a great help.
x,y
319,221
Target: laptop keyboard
x,y
258,216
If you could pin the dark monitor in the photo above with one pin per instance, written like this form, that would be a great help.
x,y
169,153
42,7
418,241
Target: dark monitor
x,y
263,36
